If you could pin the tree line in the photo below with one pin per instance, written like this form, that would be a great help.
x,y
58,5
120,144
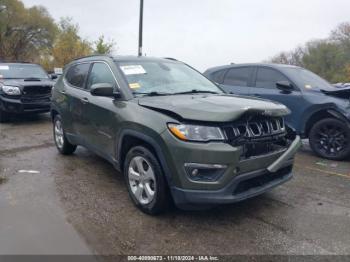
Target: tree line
x,y
32,35
329,58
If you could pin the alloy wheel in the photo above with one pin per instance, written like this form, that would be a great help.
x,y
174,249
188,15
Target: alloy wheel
x,y
142,180
331,139
59,134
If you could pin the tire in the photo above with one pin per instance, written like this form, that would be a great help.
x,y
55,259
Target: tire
x,y
61,142
146,181
4,116
330,138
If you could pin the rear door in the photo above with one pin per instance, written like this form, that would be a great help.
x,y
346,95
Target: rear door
x,y
264,86
76,94
237,80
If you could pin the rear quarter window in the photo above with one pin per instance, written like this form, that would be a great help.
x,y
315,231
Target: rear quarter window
x,y
218,76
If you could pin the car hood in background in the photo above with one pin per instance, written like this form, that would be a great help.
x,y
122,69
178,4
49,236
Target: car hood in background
x,y
212,108
341,92
24,82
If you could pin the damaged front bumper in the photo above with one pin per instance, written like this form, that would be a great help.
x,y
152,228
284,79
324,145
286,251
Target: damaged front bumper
x,y
244,185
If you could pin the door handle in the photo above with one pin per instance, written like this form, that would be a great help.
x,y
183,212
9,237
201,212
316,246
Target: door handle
x,y
63,92
84,100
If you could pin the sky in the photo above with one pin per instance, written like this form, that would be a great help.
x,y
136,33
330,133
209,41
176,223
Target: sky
x,y
204,33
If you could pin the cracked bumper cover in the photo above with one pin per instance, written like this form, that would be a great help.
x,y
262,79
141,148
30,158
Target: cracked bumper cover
x,y
243,186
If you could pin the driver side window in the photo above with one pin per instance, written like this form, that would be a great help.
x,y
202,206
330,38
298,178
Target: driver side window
x,y
100,73
267,78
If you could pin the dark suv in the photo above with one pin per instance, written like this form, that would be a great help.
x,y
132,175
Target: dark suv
x,y
320,111
172,132
24,88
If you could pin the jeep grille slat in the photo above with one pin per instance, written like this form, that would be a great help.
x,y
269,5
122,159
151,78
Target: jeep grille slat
x,y
258,135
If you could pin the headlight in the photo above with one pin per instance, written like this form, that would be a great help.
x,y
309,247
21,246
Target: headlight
x,y
11,90
196,133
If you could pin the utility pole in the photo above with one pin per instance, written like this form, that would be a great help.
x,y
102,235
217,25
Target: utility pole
x,y
140,28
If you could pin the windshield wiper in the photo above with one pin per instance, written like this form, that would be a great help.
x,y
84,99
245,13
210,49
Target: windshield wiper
x,y
196,91
32,79
154,93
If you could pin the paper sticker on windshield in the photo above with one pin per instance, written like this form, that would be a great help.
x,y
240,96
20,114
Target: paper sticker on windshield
x,y
134,85
133,70
308,86
2,67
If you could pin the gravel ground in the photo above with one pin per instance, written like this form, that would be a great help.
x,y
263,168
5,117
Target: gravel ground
x,y
308,215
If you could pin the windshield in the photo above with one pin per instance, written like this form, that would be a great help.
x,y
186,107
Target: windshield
x,y
16,71
308,80
159,77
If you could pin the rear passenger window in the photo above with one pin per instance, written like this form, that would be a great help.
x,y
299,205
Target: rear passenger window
x,y
100,73
238,76
76,75
267,78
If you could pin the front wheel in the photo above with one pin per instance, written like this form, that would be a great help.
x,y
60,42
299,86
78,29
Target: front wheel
x,y
62,144
330,138
145,181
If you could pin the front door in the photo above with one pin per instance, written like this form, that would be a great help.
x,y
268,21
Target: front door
x,y
265,87
101,111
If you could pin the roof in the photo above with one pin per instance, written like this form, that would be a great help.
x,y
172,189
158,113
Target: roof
x,y
212,69
124,58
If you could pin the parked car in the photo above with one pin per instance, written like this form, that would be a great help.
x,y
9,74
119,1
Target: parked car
x,y
173,133
320,111
342,85
24,89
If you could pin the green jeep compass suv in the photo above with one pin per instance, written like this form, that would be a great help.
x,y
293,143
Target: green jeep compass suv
x,y
172,132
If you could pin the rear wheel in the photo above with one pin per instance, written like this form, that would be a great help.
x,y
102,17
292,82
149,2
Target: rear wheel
x,y
330,138
62,144
145,180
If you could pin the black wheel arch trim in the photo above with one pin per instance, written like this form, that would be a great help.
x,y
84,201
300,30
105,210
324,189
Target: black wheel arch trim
x,y
330,110
54,108
339,116
149,140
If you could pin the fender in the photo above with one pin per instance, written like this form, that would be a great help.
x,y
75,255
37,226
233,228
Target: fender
x,y
148,140
330,110
54,107
340,116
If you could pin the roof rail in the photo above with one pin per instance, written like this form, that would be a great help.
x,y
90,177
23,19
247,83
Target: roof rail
x,y
170,58
110,56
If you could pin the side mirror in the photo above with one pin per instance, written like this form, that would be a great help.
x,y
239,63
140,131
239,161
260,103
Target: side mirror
x,y
285,86
53,76
103,89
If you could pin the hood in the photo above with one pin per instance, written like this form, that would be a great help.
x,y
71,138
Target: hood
x,y
212,108
341,92
21,83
